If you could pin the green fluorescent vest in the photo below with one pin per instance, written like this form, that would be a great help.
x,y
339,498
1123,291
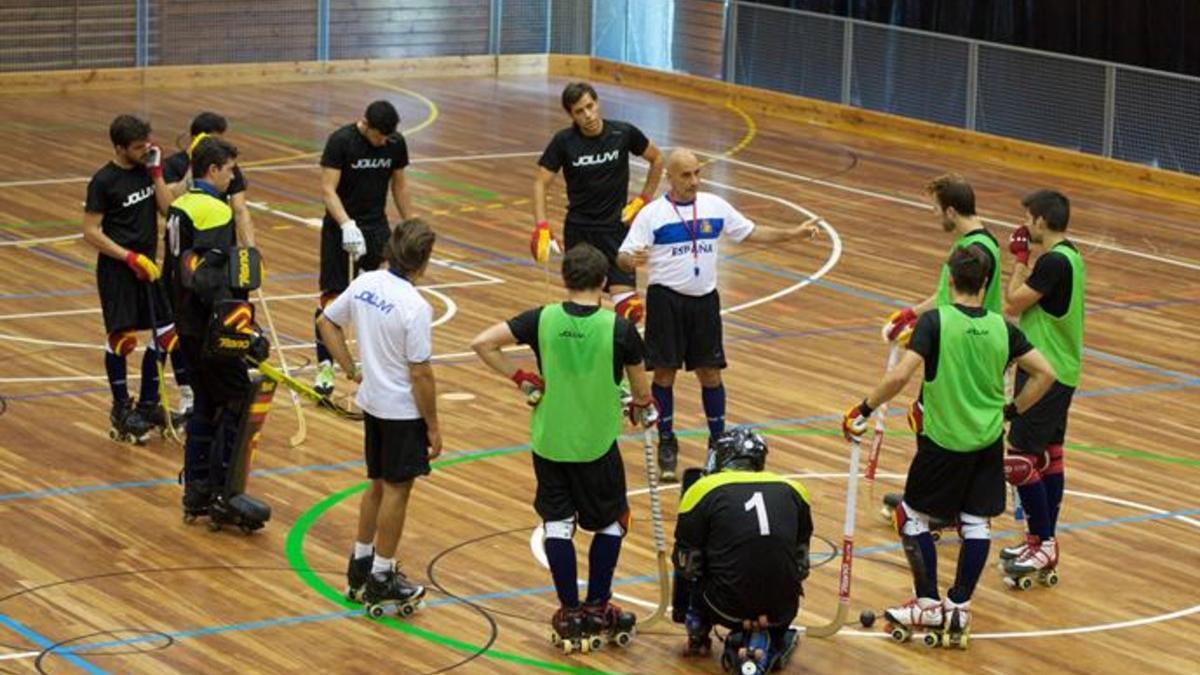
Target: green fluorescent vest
x,y
993,299
964,403
1060,339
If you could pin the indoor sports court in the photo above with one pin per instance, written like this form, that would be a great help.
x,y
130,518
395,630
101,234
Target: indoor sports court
x,y
795,116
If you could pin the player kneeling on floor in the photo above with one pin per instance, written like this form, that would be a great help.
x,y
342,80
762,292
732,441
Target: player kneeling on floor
x,y
741,556
215,322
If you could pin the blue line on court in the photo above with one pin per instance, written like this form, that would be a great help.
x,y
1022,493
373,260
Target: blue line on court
x,y
46,643
48,294
862,552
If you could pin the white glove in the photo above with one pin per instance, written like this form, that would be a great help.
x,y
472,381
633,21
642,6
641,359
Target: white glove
x,y
352,239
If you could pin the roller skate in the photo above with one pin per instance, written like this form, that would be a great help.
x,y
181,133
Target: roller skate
x,y
240,510
323,382
1039,561
1017,550
747,651
668,457
607,622
567,630
128,425
196,499
958,624
393,590
357,573
699,635
917,615
156,417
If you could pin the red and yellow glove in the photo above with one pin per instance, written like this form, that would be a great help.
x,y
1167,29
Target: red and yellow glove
x,y
143,267
631,209
854,422
899,326
916,417
1018,244
531,384
154,161
541,242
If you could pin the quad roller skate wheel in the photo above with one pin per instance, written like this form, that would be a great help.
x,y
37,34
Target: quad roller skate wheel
x,y
900,633
933,639
594,643
955,641
1050,579
375,611
623,639
407,610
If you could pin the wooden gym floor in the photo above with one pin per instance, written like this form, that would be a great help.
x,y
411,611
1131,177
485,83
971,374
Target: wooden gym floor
x,y
97,573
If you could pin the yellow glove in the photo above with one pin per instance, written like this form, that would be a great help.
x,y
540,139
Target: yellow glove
x,y
143,267
631,209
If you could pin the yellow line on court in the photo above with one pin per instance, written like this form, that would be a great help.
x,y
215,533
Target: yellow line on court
x,y
430,117
751,132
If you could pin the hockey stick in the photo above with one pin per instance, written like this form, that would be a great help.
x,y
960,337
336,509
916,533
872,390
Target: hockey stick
x,y
829,629
301,424
660,538
306,392
169,430
877,438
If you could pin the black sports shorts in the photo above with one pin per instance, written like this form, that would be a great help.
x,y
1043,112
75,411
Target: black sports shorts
x,y
592,491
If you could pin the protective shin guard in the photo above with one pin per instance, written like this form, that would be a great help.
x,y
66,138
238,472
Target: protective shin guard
x,y
922,559
560,555
714,409
196,461
602,562
1055,482
972,557
665,398
148,396
322,351
114,366
179,367
1037,509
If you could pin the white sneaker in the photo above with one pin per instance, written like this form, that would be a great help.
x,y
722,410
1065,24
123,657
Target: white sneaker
x,y
957,615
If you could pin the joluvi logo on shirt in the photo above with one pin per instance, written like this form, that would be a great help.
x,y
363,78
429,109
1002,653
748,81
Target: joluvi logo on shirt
x,y
139,196
369,163
375,301
599,158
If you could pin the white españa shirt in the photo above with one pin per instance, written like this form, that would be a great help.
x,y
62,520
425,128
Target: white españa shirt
x,y
393,326
683,240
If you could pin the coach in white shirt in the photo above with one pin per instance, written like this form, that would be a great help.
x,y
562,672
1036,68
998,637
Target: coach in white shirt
x,y
676,236
393,324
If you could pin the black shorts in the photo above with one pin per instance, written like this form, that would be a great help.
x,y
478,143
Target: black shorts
x,y
592,491
944,483
608,240
335,265
683,330
125,301
396,450
1045,423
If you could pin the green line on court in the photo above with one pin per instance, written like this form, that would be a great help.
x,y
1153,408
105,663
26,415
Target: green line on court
x,y
295,142
295,555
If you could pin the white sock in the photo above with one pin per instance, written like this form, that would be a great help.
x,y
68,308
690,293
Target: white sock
x,y
382,565
362,550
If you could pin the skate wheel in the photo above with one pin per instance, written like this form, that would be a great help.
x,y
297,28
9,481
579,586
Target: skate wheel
x,y
899,634
407,610
375,611
554,639
1050,579
595,643
1025,583
623,639
932,639
749,668
113,435
584,646
964,640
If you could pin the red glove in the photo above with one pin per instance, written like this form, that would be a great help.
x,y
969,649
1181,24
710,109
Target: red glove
x,y
154,159
643,413
143,267
899,326
1018,244
854,422
531,384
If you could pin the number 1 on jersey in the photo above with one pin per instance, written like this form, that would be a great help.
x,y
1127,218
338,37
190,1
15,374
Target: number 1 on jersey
x,y
760,507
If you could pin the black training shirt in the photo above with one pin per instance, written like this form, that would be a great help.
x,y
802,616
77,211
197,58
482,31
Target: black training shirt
x,y
926,338
596,170
366,173
628,349
1052,277
125,197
